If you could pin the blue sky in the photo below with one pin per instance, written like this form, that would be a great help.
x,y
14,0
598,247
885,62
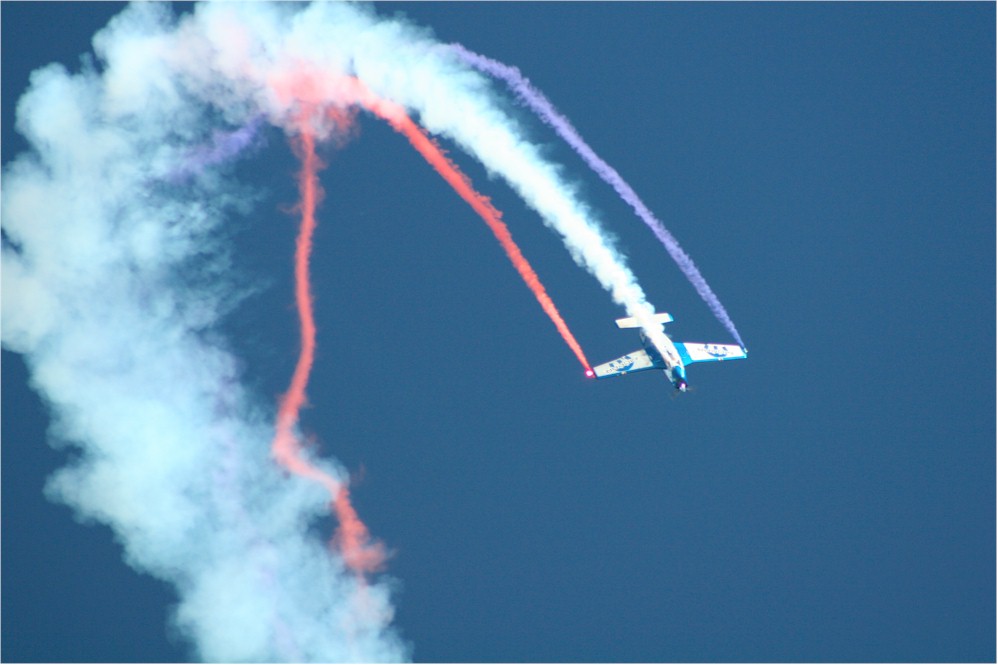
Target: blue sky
x,y
831,169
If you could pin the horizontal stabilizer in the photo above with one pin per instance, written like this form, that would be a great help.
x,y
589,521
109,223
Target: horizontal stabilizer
x,y
693,352
632,322
632,362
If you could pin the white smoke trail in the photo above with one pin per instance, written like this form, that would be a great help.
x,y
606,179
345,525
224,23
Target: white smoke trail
x,y
455,103
114,283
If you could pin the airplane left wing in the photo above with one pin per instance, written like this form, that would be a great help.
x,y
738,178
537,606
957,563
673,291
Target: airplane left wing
x,y
635,361
693,352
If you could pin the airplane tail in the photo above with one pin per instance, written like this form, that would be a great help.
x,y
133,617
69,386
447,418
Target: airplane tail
x,y
632,322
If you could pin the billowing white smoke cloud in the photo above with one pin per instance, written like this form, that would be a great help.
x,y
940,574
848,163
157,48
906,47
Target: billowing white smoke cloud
x,y
114,283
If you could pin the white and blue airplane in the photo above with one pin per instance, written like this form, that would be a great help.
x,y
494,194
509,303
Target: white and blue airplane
x,y
672,359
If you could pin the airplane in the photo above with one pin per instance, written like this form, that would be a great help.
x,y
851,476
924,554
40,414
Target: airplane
x,y
674,359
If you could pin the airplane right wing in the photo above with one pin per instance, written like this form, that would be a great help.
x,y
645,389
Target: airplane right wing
x,y
635,361
692,352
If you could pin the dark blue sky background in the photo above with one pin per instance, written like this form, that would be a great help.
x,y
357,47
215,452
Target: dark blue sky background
x,y
831,169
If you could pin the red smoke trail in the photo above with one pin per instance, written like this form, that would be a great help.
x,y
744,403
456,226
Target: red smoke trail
x,y
351,538
397,118
310,90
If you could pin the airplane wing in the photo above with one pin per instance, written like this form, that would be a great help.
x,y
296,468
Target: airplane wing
x,y
693,352
635,361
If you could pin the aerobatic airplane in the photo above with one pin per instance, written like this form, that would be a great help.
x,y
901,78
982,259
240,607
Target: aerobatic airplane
x,y
672,359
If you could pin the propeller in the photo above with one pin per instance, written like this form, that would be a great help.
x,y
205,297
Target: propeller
x,y
676,393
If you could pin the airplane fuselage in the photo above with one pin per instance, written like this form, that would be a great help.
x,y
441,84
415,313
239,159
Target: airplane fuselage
x,y
667,360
